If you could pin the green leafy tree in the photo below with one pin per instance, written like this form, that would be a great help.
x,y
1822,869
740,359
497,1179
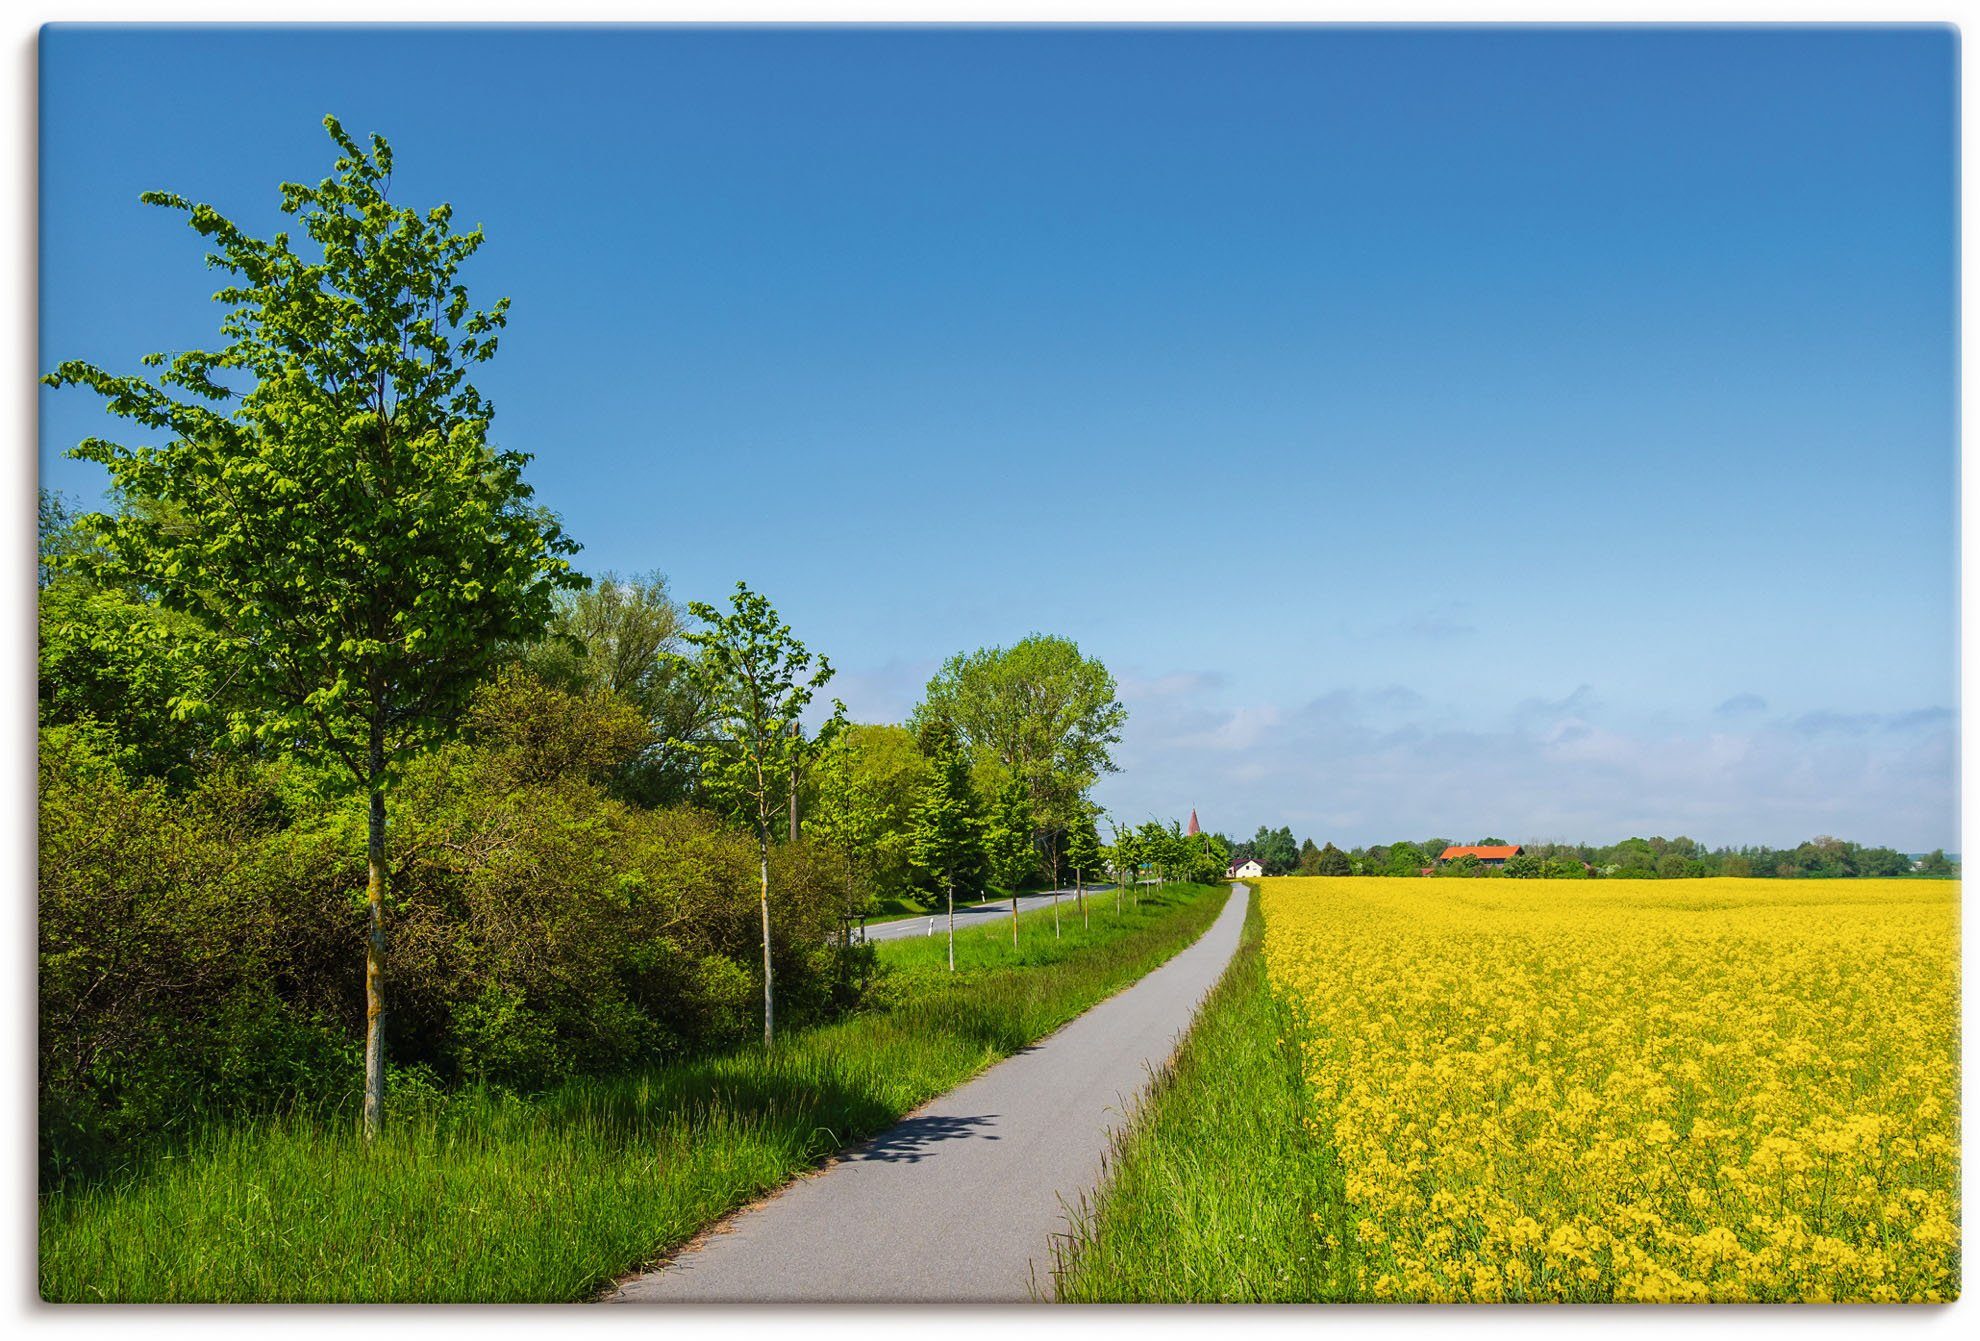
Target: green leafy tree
x,y
353,545
1125,857
1044,712
846,813
1332,861
1525,866
1275,850
756,680
1214,856
944,828
1936,864
1152,843
1083,854
1309,858
1406,859
881,770
1009,843
623,635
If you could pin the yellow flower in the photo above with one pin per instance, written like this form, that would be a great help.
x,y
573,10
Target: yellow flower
x,y
1660,1090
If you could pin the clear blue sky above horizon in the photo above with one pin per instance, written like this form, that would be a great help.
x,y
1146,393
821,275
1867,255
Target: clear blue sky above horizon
x,y
1537,432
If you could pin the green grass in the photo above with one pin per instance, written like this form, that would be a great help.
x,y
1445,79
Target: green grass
x,y
896,907
1216,1192
485,1198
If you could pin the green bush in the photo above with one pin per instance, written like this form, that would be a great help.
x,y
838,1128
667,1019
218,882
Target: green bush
x,y
201,944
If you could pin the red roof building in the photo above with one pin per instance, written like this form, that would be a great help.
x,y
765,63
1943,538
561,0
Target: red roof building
x,y
1194,827
1487,856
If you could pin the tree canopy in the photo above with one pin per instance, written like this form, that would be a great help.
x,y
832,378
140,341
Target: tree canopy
x,y
1042,710
328,506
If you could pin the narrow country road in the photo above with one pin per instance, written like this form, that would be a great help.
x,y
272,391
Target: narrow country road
x,y
960,1201
976,914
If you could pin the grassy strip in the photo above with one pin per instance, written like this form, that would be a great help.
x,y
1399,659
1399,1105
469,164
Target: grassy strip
x,y
1217,1190
488,1198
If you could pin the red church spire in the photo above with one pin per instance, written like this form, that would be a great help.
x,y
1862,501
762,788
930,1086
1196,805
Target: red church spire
x,y
1194,827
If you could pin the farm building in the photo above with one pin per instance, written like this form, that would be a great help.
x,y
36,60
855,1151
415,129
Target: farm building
x,y
1487,856
1248,869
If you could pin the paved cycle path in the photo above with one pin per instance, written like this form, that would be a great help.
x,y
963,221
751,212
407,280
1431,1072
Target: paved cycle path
x,y
961,1200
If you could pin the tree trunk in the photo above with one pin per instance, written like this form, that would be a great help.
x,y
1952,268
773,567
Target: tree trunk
x,y
952,924
374,944
1056,933
769,995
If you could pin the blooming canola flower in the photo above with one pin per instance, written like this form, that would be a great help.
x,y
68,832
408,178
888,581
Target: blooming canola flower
x,y
1666,1091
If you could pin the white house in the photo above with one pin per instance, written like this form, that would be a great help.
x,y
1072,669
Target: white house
x,y
1248,869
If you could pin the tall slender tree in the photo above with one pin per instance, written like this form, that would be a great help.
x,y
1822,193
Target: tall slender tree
x,y
756,680
1083,855
944,830
1010,843
1127,863
327,502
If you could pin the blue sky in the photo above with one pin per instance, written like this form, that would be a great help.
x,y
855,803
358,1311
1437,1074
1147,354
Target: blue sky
x,y
1548,433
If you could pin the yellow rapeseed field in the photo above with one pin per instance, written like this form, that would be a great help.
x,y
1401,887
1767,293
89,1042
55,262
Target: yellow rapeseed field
x,y
1634,1090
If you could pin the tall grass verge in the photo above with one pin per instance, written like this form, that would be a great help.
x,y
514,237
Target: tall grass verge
x,y
1216,1192
483,1197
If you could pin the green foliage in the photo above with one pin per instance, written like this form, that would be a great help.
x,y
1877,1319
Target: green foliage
x,y
1936,864
1406,859
1127,853
1205,858
116,661
1083,852
1524,866
944,827
1275,850
1008,843
1333,861
623,636
864,788
195,943
343,530
1042,711
755,681
169,927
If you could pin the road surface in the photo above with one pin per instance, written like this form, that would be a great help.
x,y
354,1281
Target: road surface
x,y
975,915
960,1201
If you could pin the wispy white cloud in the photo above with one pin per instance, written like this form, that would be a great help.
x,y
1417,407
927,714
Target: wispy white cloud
x,y
1359,764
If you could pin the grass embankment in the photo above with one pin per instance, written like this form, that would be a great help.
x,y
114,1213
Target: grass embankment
x,y
485,1198
1214,1191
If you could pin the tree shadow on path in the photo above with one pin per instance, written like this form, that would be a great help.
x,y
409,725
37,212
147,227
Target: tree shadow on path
x,y
913,1140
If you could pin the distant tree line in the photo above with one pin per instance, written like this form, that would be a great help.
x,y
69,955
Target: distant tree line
x,y
1677,858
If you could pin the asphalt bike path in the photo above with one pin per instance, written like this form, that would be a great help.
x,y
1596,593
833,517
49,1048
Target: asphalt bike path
x,y
961,1200
975,915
